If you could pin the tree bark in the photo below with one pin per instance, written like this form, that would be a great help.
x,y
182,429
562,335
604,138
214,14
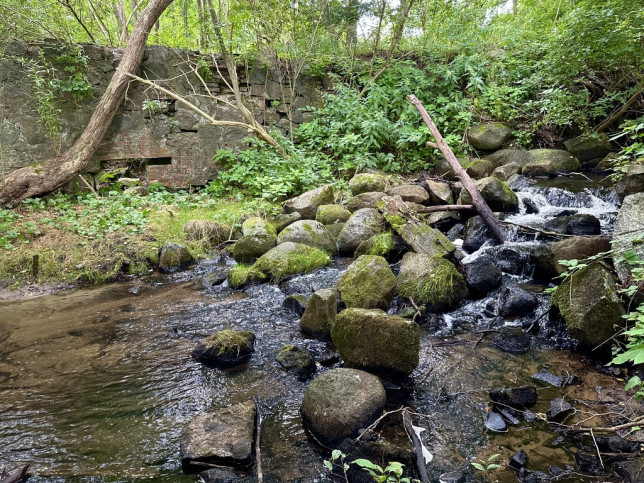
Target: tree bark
x,y
477,200
52,174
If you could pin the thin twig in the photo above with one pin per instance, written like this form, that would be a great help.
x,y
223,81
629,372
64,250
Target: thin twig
x,y
597,448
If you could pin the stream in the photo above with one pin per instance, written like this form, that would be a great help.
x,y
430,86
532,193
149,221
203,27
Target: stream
x,y
96,384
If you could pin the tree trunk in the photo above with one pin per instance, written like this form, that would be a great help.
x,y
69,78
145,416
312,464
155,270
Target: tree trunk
x,y
54,173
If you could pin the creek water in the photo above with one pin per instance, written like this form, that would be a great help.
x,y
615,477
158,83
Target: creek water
x,y
97,383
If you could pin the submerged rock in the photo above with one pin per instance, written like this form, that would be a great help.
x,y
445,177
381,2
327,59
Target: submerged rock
x,y
376,451
174,257
307,203
308,232
367,182
341,401
559,410
362,225
221,437
368,283
513,342
226,347
375,341
431,280
489,136
589,304
516,397
330,214
290,259
496,193
296,360
320,313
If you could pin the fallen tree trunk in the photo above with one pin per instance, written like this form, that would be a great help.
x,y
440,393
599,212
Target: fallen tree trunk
x,y
479,203
16,476
438,208
54,173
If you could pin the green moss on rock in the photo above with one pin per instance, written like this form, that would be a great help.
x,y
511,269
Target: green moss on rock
x,y
242,274
368,283
330,214
381,245
290,259
366,182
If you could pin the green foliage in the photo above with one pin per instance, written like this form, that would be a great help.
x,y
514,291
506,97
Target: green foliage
x,y
487,466
632,132
46,100
392,473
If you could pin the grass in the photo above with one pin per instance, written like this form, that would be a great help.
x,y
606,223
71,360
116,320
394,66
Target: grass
x,y
81,238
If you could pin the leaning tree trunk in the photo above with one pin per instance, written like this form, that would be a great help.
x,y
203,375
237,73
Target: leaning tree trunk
x,y
52,174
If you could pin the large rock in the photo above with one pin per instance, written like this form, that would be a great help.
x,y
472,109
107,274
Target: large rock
x,y
632,181
476,234
307,203
549,162
515,301
431,281
206,231
280,222
506,171
384,244
589,304
226,347
496,193
488,137
320,312
221,437
330,214
174,257
626,235
258,237
362,225
546,256
291,259
365,200
426,240
509,156
368,283
480,168
339,402
308,232
411,193
366,182
375,341
588,146
258,226
578,224
482,276
439,193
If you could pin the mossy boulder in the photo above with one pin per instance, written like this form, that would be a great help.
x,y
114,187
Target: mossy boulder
x,y
431,280
488,136
546,256
320,312
410,193
504,172
206,231
308,232
280,222
365,200
366,182
480,168
291,259
368,283
588,146
377,342
243,274
174,257
549,162
508,156
250,247
426,240
258,226
296,360
226,347
382,245
439,193
330,214
443,169
589,304
632,181
339,402
307,203
627,235
335,229
496,193
362,225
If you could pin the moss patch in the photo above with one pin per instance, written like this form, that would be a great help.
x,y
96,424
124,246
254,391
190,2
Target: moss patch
x,y
242,274
368,283
290,259
381,245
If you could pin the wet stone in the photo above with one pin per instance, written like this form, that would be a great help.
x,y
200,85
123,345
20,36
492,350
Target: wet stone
x,y
494,422
516,397
588,464
519,460
516,301
452,477
549,378
513,343
531,207
482,276
216,276
296,360
174,257
219,475
631,470
512,260
296,303
559,410
225,348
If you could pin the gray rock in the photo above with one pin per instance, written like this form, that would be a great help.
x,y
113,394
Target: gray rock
x,y
626,234
216,276
289,259
578,224
426,240
494,422
480,168
509,156
516,397
335,229
632,181
341,401
307,203
488,137
368,283
496,193
367,182
296,303
174,257
588,146
320,312
226,347
411,193
482,276
331,214
515,301
280,222
376,342
546,256
549,378
559,410
362,225
439,193
258,226
505,171
308,232
296,360
476,234
431,280
549,162
221,437
365,200
589,304
250,247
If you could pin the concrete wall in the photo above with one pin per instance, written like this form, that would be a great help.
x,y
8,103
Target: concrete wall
x,y
173,145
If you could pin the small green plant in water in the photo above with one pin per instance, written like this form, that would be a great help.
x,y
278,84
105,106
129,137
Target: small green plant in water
x,y
392,473
487,466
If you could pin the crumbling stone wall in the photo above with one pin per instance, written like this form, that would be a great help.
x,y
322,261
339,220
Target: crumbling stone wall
x,y
172,144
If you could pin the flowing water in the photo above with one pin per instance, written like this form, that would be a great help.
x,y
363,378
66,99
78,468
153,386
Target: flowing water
x,y
96,384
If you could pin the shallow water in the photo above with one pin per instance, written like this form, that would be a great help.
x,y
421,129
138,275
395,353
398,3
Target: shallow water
x,y
96,384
